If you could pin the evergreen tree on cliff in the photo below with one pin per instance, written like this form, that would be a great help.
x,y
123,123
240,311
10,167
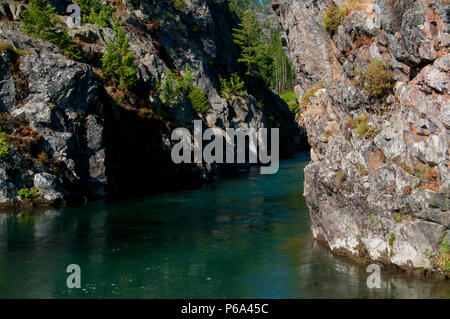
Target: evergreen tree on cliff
x,y
250,40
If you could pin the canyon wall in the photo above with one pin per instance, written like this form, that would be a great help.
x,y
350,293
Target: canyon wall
x,y
73,135
373,80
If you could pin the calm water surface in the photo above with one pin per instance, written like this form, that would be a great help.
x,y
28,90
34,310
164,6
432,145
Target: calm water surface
x,y
247,237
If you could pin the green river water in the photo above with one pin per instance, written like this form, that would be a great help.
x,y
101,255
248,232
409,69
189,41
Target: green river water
x,y
246,237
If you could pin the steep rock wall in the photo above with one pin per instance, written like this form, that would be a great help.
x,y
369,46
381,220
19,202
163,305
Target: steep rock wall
x,y
377,186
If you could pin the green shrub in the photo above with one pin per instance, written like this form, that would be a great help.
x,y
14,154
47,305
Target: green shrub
x,y
231,89
427,173
340,177
442,258
400,217
362,128
391,239
180,5
363,170
333,18
328,133
65,43
305,99
118,61
40,21
406,190
38,18
376,78
335,15
26,193
4,147
93,11
175,88
429,177
43,157
408,169
199,100
291,100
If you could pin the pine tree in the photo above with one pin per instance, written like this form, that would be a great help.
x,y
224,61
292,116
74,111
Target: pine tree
x,y
239,6
94,11
231,89
39,17
40,21
118,61
250,40
199,100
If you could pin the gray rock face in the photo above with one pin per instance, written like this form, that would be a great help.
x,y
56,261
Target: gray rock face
x,y
57,100
384,195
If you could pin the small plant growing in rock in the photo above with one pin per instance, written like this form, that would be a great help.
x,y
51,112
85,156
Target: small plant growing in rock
x,y
349,123
442,258
340,177
199,100
363,170
4,147
305,99
118,61
231,89
407,168
399,217
335,15
427,173
328,134
43,157
374,221
406,190
363,129
391,242
376,78
391,239
26,193
5,47
333,18
429,176
180,5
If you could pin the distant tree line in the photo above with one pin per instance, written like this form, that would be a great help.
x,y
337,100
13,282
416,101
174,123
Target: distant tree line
x,y
261,51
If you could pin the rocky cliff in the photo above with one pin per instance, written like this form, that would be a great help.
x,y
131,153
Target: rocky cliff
x,y
373,80
71,135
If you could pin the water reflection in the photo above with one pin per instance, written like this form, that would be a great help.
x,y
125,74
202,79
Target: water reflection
x,y
247,237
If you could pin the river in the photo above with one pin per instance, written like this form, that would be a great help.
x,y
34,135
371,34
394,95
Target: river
x,y
245,237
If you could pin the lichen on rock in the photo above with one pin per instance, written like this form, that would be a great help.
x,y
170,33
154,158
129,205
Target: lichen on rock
x,y
406,157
